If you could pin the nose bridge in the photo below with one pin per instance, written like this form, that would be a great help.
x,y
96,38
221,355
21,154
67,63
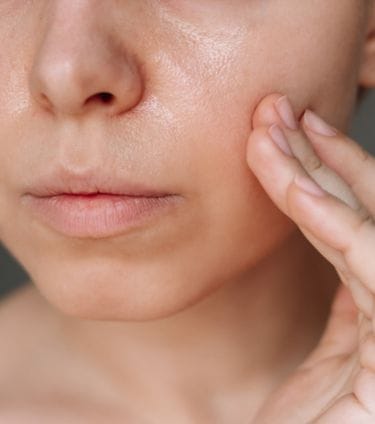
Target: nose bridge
x,y
81,66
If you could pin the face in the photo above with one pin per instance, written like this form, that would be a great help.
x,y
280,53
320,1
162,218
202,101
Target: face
x,y
185,77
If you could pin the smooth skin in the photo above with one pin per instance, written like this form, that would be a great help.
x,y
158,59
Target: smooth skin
x,y
323,180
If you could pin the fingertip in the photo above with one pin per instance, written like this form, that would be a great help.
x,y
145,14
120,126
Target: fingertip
x,y
265,113
260,133
259,140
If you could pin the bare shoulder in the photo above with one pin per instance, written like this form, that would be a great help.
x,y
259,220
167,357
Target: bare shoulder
x,y
19,311
22,317
28,345
19,304
25,319
41,378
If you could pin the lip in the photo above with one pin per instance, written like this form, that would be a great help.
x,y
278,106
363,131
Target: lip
x,y
98,215
95,180
94,204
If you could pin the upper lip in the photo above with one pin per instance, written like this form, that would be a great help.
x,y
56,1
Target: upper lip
x,y
62,181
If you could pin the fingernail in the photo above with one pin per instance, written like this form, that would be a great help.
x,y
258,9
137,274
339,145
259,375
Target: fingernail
x,y
308,185
286,113
316,124
279,139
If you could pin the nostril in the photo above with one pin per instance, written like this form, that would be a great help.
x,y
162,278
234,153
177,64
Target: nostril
x,y
103,97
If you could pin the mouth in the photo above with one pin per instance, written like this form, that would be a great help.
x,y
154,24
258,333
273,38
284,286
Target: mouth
x,y
89,208
97,215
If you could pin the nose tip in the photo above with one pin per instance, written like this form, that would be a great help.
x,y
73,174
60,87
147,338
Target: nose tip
x,y
71,77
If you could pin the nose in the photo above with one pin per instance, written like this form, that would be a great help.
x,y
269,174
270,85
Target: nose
x,y
80,67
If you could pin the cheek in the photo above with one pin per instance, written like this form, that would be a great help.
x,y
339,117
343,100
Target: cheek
x,y
302,54
300,57
313,55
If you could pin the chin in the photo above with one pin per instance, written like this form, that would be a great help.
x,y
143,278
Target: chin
x,y
120,295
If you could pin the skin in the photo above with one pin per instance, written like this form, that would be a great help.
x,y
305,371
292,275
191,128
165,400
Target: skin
x,y
226,264
336,382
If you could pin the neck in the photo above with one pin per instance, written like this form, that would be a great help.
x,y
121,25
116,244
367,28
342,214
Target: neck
x,y
246,337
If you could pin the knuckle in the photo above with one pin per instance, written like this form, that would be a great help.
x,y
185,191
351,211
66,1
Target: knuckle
x,y
353,251
366,221
364,155
363,389
367,352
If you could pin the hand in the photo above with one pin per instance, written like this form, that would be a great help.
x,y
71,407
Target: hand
x,y
325,182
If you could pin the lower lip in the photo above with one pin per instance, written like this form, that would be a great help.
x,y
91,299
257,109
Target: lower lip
x,y
99,215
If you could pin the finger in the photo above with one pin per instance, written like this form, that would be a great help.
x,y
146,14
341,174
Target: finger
x,y
340,335
343,155
367,352
265,114
269,111
320,172
357,397
362,296
320,221
336,224
278,177
348,409
276,171
322,375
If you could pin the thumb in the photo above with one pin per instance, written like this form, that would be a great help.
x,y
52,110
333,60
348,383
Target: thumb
x,y
340,336
318,380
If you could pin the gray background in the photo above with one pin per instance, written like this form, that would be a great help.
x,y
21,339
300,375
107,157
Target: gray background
x,y
362,130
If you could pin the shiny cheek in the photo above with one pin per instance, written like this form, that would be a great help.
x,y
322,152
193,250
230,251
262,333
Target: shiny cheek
x,y
228,72
310,68
233,208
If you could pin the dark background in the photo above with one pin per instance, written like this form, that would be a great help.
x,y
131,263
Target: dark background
x,y
362,130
